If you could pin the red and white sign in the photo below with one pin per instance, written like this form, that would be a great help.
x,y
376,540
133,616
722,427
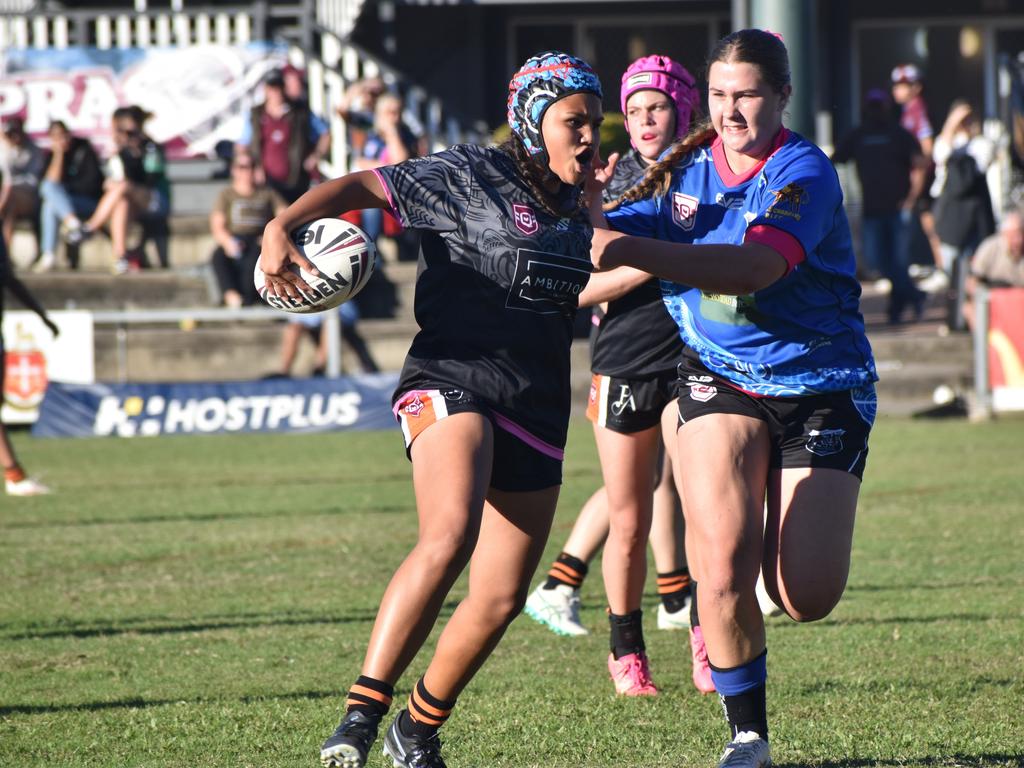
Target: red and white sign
x,y
1006,348
525,218
684,210
33,358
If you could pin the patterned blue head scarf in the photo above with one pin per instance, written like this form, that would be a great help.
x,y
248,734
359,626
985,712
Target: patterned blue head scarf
x,y
539,83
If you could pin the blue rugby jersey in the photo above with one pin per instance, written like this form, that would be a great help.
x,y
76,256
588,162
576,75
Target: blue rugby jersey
x,y
803,334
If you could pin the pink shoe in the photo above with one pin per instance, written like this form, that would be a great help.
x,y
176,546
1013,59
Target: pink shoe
x,y
631,675
701,667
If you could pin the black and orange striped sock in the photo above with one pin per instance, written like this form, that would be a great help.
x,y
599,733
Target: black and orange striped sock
x,y
426,713
371,697
14,474
674,588
567,570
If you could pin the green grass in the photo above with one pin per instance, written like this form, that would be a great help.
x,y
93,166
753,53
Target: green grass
x,y
204,602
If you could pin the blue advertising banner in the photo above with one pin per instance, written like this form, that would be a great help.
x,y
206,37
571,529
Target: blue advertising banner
x,y
276,405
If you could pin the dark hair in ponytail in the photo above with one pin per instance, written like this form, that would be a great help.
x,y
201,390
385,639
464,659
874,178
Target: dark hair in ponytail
x,y
534,174
656,180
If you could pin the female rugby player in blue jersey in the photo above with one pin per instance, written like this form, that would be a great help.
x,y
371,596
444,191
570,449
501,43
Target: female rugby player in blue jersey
x,y
744,221
483,399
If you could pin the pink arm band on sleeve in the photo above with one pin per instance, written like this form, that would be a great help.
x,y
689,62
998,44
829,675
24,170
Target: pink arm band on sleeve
x,y
783,243
387,193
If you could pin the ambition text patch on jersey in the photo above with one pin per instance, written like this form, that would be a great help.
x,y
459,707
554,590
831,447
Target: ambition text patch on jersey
x,y
547,283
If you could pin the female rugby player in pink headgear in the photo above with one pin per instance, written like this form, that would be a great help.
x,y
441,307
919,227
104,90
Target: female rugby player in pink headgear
x,y
635,350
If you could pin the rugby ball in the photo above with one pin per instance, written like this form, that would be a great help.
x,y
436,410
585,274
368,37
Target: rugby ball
x,y
345,256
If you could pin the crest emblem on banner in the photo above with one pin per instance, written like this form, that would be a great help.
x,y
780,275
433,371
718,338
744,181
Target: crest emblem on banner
x,y
25,379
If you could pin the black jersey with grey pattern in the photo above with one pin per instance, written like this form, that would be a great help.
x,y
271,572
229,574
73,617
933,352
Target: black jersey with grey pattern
x,y
497,287
637,338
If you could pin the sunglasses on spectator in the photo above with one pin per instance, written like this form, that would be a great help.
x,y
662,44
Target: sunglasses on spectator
x,y
131,133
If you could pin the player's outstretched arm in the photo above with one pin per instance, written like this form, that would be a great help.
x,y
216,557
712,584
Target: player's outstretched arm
x,y
735,270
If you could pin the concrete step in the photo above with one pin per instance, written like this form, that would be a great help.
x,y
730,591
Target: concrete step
x,y
152,289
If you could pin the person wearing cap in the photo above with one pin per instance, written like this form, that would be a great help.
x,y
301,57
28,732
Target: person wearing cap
x,y
888,160
908,93
483,399
21,166
286,138
635,349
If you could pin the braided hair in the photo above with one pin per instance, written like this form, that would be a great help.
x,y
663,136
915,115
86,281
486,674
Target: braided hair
x,y
658,176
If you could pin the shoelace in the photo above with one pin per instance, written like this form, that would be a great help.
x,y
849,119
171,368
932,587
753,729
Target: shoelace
x,y
426,753
636,671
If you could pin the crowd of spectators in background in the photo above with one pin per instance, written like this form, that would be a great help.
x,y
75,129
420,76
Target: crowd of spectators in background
x,y
914,181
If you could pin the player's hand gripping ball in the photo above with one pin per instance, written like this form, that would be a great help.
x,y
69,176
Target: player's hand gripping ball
x,y
345,256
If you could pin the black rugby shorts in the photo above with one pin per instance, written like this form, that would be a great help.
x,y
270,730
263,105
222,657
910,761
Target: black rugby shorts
x,y
828,431
521,461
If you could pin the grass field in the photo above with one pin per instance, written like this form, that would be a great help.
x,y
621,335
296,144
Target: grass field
x,y
204,601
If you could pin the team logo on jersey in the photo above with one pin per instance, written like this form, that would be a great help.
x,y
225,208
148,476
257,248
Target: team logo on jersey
x,y
825,442
732,202
702,392
702,379
787,202
415,407
525,218
684,210
626,400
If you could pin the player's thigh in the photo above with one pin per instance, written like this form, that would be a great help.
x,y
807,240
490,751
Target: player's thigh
x,y
513,533
724,460
628,465
808,538
451,468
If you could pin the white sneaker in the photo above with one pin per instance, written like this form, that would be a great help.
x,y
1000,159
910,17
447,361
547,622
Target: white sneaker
x,y
936,282
558,609
46,263
746,750
678,620
29,486
767,605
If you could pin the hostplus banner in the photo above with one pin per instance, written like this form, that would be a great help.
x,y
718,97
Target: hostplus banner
x,y
277,405
1006,348
197,96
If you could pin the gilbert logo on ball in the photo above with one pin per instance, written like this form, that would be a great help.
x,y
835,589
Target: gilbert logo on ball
x,y
343,253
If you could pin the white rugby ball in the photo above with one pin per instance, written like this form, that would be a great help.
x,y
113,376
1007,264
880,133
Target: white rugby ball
x,y
345,256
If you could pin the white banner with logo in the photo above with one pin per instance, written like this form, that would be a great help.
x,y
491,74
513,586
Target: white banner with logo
x,y
33,357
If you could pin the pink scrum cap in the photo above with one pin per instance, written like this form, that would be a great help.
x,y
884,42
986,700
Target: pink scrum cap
x,y
660,73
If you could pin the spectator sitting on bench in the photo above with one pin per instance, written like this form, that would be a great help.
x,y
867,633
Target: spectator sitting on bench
x,y
136,189
998,262
70,190
241,212
21,164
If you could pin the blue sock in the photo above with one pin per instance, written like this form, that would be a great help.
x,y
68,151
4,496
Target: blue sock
x,y
742,690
